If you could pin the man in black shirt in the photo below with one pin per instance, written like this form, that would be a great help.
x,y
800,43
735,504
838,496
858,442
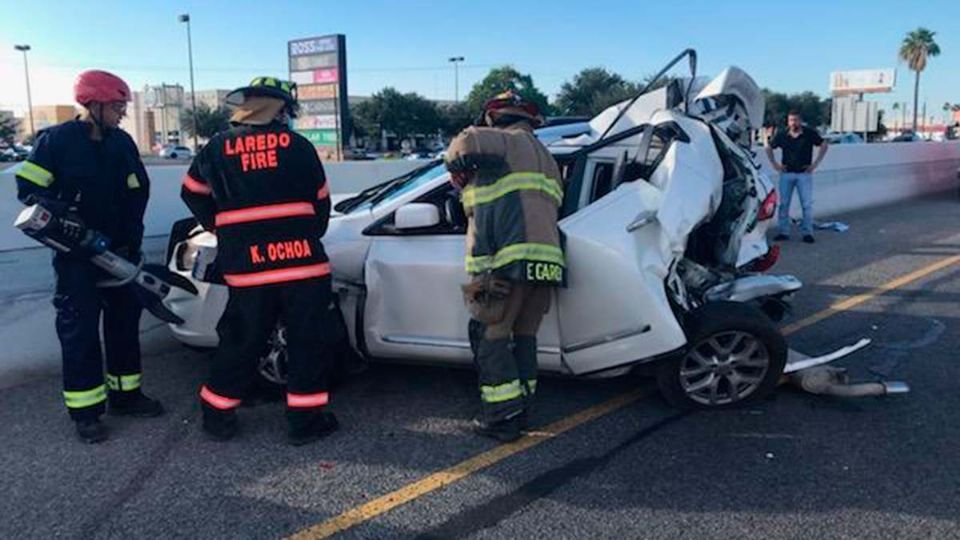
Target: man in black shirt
x,y
796,172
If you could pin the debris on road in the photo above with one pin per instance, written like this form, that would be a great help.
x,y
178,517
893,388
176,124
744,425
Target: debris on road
x,y
814,376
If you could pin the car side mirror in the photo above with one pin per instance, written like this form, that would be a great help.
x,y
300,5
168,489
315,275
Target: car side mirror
x,y
416,216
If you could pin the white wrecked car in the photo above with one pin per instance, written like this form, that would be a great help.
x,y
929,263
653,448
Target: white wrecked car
x,y
664,219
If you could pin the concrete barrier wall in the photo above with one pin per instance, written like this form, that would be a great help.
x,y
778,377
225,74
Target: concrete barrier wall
x,y
856,176
165,206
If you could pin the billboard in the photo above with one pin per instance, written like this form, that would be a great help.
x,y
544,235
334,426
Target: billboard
x,y
319,67
864,81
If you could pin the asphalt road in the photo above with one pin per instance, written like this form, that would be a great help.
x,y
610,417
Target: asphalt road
x,y
794,466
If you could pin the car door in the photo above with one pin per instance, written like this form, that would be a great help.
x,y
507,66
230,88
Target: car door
x,y
614,310
414,308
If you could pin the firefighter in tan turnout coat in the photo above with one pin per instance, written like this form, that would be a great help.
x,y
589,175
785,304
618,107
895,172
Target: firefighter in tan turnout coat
x,y
512,191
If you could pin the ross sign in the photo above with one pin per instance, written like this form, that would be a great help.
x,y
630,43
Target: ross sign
x,y
309,92
318,45
319,67
320,137
864,81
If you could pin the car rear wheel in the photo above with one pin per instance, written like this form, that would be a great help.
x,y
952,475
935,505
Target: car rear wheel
x,y
735,356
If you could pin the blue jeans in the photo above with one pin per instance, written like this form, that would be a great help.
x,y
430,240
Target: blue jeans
x,y
803,183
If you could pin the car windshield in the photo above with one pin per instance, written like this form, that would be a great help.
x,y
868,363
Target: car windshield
x,y
391,189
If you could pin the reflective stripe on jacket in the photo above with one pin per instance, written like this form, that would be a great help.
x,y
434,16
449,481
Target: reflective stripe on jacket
x,y
263,189
512,204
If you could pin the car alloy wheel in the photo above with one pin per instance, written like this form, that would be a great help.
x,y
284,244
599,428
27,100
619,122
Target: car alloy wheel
x,y
272,366
724,368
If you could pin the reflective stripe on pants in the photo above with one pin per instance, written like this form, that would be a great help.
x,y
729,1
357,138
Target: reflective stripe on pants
x,y
217,401
123,383
80,399
307,401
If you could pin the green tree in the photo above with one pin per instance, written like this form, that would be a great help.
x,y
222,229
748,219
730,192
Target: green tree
x,y
591,91
815,111
456,117
404,115
209,121
501,79
915,49
8,130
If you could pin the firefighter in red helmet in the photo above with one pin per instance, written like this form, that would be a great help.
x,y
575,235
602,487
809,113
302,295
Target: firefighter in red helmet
x,y
89,172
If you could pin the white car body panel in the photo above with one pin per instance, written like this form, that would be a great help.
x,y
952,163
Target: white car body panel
x,y
404,289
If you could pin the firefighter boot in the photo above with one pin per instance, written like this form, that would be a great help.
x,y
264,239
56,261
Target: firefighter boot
x,y
219,425
305,427
133,403
506,431
92,431
525,352
501,394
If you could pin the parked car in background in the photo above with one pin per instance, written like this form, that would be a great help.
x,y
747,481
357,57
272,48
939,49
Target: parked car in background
x,y
907,136
420,154
15,153
171,151
843,138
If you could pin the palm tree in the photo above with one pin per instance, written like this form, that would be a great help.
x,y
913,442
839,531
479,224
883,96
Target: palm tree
x,y
915,49
896,107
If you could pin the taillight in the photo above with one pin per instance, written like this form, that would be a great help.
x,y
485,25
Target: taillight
x,y
767,261
769,207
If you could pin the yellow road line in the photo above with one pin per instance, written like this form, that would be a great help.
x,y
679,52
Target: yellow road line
x,y
435,481
853,301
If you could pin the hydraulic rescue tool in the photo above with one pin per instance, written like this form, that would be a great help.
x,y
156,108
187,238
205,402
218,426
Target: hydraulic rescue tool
x,y
152,282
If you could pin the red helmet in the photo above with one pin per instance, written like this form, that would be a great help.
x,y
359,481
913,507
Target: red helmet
x,y
512,104
101,87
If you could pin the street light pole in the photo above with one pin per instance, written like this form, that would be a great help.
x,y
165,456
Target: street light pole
x,y
26,74
185,18
456,76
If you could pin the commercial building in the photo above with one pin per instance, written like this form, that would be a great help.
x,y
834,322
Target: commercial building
x,y
45,116
210,98
166,103
140,124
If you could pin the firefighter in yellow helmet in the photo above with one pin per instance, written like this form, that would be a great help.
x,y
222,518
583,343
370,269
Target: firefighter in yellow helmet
x,y
512,191
262,188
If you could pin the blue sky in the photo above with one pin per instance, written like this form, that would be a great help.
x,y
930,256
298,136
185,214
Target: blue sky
x,y
787,46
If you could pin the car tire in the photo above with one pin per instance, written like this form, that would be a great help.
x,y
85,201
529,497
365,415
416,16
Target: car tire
x,y
272,364
735,357
173,156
